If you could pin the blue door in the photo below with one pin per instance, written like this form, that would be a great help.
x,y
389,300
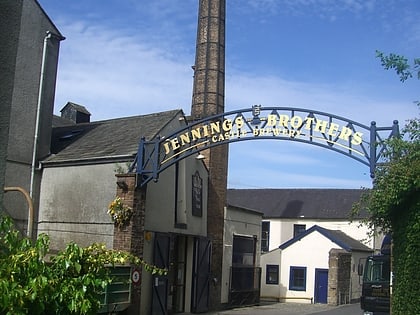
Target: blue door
x,y
321,285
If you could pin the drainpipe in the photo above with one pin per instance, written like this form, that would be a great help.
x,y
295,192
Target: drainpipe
x,y
38,112
30,204
47,37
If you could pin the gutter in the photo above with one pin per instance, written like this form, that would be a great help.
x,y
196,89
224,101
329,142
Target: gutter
x,y
89,161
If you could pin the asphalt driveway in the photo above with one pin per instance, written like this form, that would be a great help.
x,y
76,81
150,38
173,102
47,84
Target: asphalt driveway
x,y
293,309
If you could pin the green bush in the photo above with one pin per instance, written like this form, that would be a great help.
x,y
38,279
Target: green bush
x,y
67,283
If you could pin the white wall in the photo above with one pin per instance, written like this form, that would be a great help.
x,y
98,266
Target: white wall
x,y
270,291
281,230
311,252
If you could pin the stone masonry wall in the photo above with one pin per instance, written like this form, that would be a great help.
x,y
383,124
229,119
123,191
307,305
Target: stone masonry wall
x,y
339,277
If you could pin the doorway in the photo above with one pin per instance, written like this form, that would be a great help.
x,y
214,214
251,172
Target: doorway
x,y
244,275
321,286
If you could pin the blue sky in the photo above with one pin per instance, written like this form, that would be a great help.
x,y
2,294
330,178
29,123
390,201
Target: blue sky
x,y
134,57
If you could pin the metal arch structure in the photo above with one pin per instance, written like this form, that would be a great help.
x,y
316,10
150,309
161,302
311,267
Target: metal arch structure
x,y
355,140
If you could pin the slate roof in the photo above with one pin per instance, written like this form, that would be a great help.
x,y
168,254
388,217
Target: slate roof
x,y
340,238
297,203
77,107
61,122
106,139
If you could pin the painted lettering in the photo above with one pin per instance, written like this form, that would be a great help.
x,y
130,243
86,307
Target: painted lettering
x,y
271,120
283,120
332,131
185,138
357,138
196,134
276,125
215,127
296,122
309,122
166,147
227,125
239,122
345,133
175,144
321,125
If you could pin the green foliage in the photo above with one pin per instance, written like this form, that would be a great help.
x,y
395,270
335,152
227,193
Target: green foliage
x,y
406,252
400,64
69,283
396,183
393,203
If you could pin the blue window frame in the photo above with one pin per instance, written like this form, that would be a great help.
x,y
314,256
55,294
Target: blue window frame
x,y
297,278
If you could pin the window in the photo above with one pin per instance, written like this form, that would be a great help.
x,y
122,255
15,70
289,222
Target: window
x,y
298,229
243,250
297,281
272,274
265,236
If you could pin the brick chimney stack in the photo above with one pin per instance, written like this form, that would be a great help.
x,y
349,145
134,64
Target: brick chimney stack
x,y
209,69
208,100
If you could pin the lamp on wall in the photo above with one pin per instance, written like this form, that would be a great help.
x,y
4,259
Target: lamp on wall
x,y
122,184
200,157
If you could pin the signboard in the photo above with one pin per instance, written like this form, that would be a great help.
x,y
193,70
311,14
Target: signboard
x,y
360,142
135,276
197,195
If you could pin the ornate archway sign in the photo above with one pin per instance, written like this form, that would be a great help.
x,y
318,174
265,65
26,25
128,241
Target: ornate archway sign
x,y
360,142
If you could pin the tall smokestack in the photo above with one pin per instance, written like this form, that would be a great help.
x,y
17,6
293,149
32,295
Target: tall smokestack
x,y
209,69
208,100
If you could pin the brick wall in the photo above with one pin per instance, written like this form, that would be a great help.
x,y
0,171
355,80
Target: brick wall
x,y
208,100
130,238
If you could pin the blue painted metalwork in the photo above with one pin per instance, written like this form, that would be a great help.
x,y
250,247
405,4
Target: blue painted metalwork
x,y
360,142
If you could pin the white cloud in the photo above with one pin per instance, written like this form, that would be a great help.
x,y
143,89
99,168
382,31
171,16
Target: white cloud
x,y
116,71
114,74
245,90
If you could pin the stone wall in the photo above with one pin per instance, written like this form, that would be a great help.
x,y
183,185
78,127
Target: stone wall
x,y
339,277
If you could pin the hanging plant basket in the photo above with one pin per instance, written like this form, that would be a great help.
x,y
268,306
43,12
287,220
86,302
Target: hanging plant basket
x,y
120,213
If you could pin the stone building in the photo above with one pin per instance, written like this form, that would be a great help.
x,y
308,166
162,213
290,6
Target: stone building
x,y
30,47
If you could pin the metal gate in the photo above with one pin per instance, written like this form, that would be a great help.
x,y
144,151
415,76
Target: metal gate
x,y
160,282
201,275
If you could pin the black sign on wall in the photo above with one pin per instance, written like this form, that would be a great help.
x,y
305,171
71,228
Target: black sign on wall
x,y
197,195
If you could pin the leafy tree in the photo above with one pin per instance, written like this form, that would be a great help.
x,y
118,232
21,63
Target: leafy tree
x,y
393,203
400,64
68,283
